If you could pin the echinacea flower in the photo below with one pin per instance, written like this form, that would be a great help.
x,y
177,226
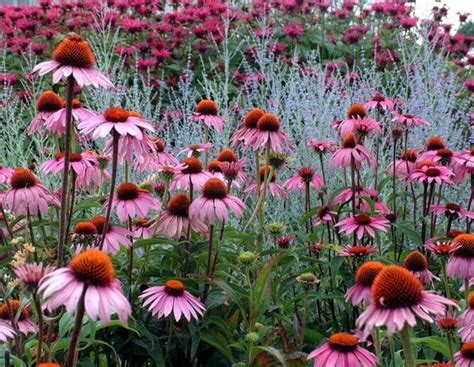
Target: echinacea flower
x,y
207,112
5,174
361,223
142,228
214,203
275,189
172,298
158,158
90,272
365,276
404,166
174,221
189,172
269,135
441,248
465,357
322,147
74,57
351,152
115,119
195,150
358,251
324,215
432,174
132,149
248,129
27,195
305,176
357,120
56,122
398,297
6,331
417,263
461,263
85,168
448,323
342,350
25,323
379,101
409,120
132,201
452,210
358,192
31,274
115,236
46,105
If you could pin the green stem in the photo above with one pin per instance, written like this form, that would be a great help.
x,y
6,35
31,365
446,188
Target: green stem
x,y
449,339
378,344
445,278
466,290
407,347
72,351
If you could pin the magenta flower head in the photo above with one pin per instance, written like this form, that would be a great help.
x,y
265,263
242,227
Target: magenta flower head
x,y
6,331
465,357
27,195
115,119
362,223
174,221
74,56
46,105
248,129
91,271
214,203
431,173
451,210
207,112
358,121
132,201
269,134
409,121
342,350
365,277
322,147
189,172
5,174
398,297
352,152
172,298
461,264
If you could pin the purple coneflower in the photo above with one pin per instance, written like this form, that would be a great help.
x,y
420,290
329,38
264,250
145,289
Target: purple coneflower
x,y
461,263
115,236
46,105
132,201
305,176
56,122
269,135
365,277
189,172
379,101
92,272
417,263
31,274
409,120
172,298
362,223
207,112
248,129
351,152
24,321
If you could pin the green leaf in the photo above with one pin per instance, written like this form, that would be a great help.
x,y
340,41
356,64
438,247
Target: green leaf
x,y
275,353
435,343
219,342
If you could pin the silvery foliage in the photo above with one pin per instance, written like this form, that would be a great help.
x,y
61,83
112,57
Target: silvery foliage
x,y
299,96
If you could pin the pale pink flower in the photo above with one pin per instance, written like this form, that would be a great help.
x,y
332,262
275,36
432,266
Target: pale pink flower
x,y
31,274
365,276
188,173
269,135
432,174
305,175
352,152
115,236
404,166
465,357
322,147
248,129
84,166
24,321
115,119
158,157
131,201
47,104
27,195
196,150
142,229
461,263
357,251
207,112
130,149
379,101
103,295
362,223
359,192
397,298
324,215
357,120
56,122
5,174
451,210
342,350
417,263
172,298
273,187
6,331
74,57
214,203
409,120
174,221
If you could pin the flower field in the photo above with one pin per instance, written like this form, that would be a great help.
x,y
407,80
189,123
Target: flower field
x,y
235,183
